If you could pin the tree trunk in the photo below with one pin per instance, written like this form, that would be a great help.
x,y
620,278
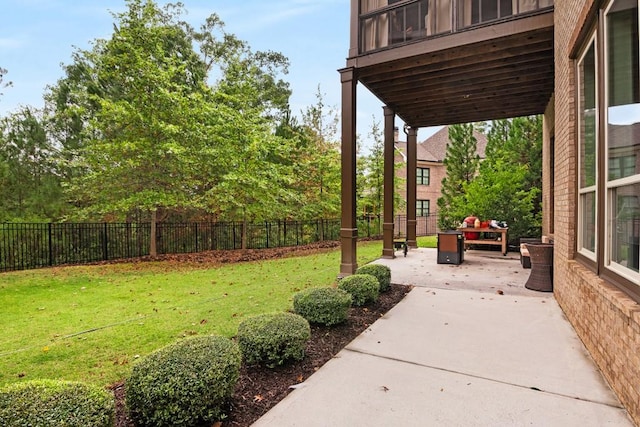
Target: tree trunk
x,y
153,248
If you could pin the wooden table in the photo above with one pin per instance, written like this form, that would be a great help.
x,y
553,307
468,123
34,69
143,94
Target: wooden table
x,y
501,242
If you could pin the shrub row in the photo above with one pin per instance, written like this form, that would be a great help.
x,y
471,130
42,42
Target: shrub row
x,y
184,384
326,306
272,339
329,306
55,403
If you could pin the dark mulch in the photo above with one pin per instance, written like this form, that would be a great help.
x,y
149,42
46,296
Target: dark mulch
x,y
259,389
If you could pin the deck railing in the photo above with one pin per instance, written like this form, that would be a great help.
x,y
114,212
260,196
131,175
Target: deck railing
x,y
383,25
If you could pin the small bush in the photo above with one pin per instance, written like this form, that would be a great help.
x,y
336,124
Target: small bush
x,y
56,403
326,306
380,272
184,384
364,288
272,339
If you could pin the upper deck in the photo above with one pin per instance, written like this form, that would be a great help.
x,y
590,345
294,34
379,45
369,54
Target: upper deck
x,y
436,62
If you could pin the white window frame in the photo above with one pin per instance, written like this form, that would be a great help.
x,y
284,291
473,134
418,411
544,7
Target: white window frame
x,y
593,188
611,186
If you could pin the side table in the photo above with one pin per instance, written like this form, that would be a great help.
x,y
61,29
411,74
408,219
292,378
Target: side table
x,y
541,277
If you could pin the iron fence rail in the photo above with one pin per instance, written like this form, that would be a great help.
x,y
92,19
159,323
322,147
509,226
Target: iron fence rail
x,y
33,245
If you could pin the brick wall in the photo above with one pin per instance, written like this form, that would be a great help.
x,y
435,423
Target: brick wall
x,y
605,318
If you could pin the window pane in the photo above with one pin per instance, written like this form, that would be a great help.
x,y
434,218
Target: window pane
x,y
587,75
422,176
588,221
369,5
623,130
625,225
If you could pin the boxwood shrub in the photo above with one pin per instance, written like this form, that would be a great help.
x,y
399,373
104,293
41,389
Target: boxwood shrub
x,y
56,403
326,306
184,384
364,288
274,338
380,272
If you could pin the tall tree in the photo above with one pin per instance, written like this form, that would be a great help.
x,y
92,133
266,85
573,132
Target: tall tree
x,y
151,121
512,176
30,186
315,160
371,187
461,162
149,131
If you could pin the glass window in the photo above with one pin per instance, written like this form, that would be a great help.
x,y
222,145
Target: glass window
x,y
422,207
423,175
622,137
587,143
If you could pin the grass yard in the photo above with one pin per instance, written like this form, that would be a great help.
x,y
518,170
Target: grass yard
x,y
90,323
427,241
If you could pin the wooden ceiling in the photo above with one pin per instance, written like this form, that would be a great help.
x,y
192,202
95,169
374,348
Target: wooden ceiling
x,y
500,71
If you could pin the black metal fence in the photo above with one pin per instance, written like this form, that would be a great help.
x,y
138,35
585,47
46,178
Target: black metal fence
x,y
25,245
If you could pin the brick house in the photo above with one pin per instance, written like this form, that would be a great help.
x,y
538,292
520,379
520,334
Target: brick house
x,y
429,170
439,62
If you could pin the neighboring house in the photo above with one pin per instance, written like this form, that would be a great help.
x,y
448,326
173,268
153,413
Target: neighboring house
x,y
429,169
576,62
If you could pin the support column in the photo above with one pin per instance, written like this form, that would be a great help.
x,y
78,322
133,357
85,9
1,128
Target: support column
x,y
349,226
389,180
412,164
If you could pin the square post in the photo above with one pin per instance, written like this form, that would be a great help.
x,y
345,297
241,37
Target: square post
x,y
389,180
349,225
412,167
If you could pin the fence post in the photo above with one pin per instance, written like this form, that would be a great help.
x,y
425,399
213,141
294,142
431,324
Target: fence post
x,y
105,243
50,246
196,237
266,226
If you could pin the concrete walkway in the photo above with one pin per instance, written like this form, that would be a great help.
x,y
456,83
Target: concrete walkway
x,y
469,346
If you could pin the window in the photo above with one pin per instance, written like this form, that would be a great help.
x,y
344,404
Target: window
x,y
608,136
622,77
587,159
423,176
422,208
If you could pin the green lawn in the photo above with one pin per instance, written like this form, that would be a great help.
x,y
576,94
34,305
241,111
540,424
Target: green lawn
x,y
89,323
427,242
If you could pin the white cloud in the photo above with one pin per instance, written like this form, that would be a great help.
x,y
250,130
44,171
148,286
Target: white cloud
x,y
11,43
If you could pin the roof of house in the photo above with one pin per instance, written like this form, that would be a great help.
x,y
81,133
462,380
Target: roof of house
x,y
434,148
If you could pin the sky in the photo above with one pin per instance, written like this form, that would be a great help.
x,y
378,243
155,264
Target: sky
x,y
37,36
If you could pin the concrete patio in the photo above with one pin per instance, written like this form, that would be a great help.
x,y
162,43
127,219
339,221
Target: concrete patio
x,y
469,346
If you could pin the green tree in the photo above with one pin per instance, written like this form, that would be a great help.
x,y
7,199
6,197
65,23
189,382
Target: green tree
x,y
143,128
461,162
30,187
147,140
371,187
315,160
512,173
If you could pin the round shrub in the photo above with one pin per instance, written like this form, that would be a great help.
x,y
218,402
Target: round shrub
x,y
271,339
184,384
364,288
56,403
327,306
380,272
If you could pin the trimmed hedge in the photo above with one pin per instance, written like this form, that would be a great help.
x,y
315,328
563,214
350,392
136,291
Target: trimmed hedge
x,y
56,403
380,272
272,339
364,288
184,384
327,306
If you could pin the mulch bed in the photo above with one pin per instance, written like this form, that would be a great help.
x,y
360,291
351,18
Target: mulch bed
x,y
259,389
